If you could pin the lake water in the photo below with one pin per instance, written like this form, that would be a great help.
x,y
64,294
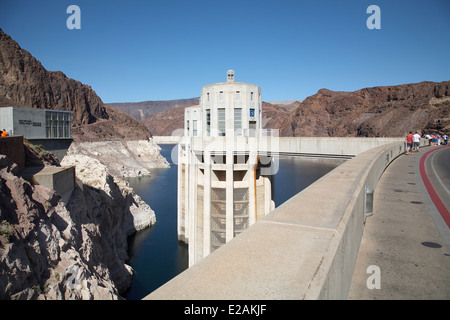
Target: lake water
x,y
156,255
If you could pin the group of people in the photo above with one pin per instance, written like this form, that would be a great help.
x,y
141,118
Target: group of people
x,y
436,140
413,141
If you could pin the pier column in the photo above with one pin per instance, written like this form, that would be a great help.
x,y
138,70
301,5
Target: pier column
x,y
207,204
180,196
193,236
229,192
186,157
252,163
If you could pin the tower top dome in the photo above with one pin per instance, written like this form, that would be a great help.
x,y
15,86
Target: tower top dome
x,y
230,76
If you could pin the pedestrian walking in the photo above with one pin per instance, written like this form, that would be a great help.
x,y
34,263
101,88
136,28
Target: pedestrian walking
x,y
416,141
409,143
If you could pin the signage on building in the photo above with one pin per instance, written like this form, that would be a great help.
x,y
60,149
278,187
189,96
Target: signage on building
x,y
30,123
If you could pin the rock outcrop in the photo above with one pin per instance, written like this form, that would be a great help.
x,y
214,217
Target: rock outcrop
x,y
373,112
168,122
50,249
122,158
142,110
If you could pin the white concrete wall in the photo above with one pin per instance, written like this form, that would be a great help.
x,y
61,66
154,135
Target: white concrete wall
x,y
304,249
29,122
328,146
6,120
192,114
167,139
225,95
308,146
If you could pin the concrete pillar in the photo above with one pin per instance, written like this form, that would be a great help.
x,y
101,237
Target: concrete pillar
x,y
180,196
207,204
252,163
186,190
192,198
267,195
229,193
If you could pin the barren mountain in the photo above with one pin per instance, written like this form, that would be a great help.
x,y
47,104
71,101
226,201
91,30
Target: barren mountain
x,y
167,122
371,112
143,110
274,114
118,126
290,105
25,82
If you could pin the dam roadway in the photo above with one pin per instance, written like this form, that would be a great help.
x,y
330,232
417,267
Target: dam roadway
x,y
408,237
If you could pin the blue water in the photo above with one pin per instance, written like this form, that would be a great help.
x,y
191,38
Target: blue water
x,y
156,254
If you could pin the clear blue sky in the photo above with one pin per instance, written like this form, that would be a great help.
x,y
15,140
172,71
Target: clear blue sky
x,y
168,49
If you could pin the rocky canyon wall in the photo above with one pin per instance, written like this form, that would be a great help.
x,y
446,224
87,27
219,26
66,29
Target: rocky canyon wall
x,y
50,249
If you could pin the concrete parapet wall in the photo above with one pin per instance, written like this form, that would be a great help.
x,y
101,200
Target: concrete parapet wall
x,y
56,146
304,249
331,146
167,139
60,179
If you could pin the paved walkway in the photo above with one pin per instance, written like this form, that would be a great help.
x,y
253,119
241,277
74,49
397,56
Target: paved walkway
x,y
406,238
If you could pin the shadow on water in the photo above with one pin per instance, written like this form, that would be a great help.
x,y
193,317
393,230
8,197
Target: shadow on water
x,y
155,254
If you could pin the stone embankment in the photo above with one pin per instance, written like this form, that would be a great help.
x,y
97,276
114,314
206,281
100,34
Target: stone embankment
x,y
123,158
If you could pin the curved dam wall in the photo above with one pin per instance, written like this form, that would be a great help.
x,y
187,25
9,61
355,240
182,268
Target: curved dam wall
x,y
314,147
304,249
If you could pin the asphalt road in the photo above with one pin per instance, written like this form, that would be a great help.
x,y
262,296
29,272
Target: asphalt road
x,y
437,168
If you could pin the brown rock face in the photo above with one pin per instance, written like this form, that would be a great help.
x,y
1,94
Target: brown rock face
x,y
274,115
167,123
25,82
119,126
143,110
372,112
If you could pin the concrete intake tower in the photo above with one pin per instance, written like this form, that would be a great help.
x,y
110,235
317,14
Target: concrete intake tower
x,y
226,163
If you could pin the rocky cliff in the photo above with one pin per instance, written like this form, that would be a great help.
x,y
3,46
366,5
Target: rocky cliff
x,y
25,82
143,110
372,112
167,123
122,158
50,249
